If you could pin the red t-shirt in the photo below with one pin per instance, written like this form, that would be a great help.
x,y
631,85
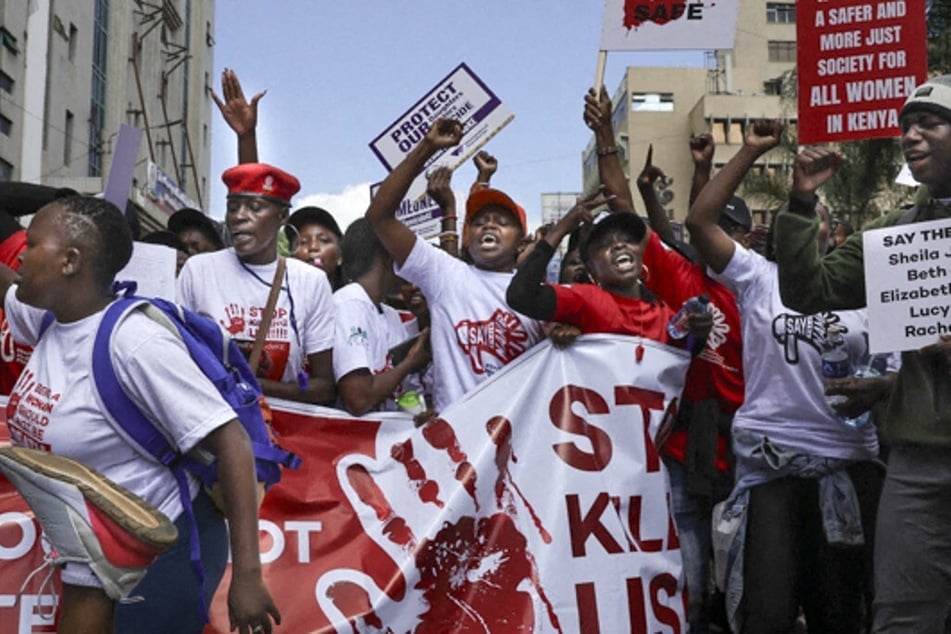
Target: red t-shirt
x,y
717,372
13,356
594,310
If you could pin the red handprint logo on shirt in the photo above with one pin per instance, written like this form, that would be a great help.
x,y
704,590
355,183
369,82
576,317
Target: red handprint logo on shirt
x,y
493,343
235,323
474,573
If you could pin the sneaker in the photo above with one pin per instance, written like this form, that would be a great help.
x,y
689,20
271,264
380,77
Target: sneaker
x,y
88,518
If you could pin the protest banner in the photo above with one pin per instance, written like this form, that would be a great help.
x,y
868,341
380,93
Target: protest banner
x,y
651,25
536,503
857,63
907,285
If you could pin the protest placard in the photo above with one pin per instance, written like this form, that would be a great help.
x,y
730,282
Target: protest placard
x,y
907,285
460,95
421,214
857,63
645,25
450,527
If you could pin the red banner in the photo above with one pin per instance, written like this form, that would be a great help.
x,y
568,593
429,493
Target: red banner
x,y
537,503
857,63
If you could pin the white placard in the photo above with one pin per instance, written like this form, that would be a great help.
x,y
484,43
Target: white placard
x,y
907,286
460,95
152,268
658,25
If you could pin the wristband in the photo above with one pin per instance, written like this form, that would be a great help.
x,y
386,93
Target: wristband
x,y
448,235
610,149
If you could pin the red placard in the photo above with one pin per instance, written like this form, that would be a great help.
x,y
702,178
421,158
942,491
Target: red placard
x,y
858,63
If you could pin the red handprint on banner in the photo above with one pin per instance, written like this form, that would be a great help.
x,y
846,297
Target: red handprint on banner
x,y
474,572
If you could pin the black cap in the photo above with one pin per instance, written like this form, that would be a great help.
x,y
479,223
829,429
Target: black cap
x,y
737,211
608,221
314,216
187,217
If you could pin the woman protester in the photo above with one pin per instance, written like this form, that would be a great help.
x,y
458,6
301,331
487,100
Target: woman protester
x,y
232,287
807,485
74,248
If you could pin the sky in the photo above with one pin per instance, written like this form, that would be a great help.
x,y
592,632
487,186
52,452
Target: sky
x,y
338,73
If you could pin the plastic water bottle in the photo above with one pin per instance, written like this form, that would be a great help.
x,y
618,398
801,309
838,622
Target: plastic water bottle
x,y
836,364
678,327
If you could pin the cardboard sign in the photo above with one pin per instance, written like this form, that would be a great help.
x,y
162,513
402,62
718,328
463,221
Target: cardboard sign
x,y
450,527
460,95
858,63
422,215
908,285
652,25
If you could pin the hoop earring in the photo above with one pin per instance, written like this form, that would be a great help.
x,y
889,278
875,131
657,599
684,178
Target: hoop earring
x,y
286,245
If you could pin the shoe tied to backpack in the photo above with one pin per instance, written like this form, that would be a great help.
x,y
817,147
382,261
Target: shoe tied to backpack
x,y
88,518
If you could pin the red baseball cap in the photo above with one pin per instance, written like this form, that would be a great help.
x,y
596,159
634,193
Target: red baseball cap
x,y
261,179
480,198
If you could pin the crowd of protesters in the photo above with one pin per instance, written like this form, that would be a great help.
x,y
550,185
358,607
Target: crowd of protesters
x,y
811,524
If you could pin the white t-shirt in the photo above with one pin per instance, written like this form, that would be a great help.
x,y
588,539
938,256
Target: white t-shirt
x,y
54,406
364,336
474,332
234,294
782,367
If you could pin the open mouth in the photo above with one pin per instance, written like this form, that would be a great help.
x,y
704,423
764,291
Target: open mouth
x,y
624,262
488,239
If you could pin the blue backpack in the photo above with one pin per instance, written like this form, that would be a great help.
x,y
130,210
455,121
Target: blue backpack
x,y
219,359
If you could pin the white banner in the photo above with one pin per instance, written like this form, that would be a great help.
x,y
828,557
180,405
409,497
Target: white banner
x,y
649,25
907,285
538,501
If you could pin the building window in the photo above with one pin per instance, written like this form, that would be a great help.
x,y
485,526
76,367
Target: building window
x,y
68,141
773,86
781,12
782,51
652,101
6,171
6,125
6,82
73,39
97,105
9,41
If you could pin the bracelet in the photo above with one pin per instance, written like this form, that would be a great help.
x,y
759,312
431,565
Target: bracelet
x,y
611,149
450,217
448,235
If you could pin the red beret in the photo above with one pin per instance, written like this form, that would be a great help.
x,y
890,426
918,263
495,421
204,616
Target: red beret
x,y
260,179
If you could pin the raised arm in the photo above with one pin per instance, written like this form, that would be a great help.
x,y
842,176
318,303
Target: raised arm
x,y
597,116
701,151
656,213
809,282
381,214
526,292
486,166
714,245
240,115
439,188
